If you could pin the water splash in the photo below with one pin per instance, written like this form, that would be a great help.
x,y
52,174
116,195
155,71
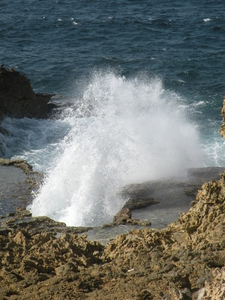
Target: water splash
x,y
122,131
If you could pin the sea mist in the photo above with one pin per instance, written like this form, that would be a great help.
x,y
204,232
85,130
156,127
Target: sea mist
x,y
122,131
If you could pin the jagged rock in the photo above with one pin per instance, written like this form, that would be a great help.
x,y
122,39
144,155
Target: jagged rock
x,y
186,260
122,216
17,98
214,289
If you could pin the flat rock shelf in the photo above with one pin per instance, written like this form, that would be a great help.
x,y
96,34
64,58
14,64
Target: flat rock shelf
x,y
169,198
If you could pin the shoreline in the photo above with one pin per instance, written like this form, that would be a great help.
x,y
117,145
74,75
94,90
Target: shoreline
x,y
153,204
44,259
19,182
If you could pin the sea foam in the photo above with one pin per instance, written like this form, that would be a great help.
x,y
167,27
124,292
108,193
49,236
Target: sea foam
x,y
122,131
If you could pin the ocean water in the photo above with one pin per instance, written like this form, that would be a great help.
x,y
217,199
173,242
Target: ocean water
x,y
145,82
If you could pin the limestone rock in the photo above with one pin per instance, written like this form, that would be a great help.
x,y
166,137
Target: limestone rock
x,y
186,260
122,216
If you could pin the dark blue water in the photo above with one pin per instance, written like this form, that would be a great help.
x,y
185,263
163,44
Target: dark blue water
x,y
170,51
57,42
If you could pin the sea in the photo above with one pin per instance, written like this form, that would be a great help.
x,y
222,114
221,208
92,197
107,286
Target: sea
x,y
140,85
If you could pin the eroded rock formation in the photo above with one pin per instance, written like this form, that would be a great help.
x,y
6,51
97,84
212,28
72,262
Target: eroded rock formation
x,y
182,261
17,98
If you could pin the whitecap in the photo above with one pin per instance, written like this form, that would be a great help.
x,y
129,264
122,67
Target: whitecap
x,y
207,20
199,103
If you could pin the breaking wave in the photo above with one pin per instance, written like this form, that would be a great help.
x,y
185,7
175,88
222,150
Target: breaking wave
x,y
121,131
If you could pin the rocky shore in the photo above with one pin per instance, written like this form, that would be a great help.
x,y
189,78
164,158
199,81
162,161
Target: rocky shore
x,y
44,259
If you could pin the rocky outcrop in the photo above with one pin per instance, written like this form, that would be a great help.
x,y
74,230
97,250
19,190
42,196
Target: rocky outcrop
x,y
17,98
178,262
222,128
44,259
124,216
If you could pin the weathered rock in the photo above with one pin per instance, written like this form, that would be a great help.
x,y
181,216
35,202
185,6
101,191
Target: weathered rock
x,y
186,260
122,216
214,289
17,98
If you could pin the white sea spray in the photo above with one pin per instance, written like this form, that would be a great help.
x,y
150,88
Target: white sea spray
x,y
122,131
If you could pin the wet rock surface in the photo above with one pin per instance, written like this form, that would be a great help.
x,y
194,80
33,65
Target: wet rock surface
x,y
161,202
44,259
17,98
18,183
18,163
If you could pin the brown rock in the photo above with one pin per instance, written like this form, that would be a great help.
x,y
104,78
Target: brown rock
x,y
64,269
122,216
44,259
